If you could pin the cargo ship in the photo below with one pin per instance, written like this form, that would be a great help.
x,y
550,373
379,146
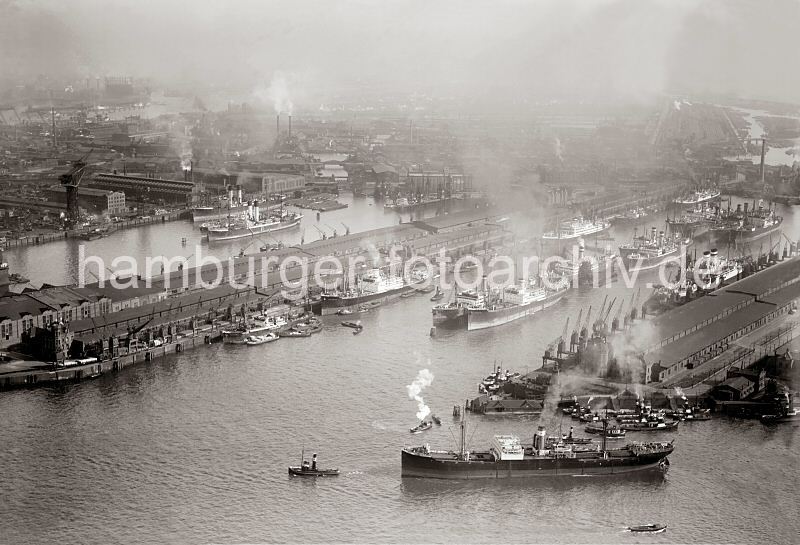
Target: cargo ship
x,y
514,302
694,222
698,196
233,207
744,225
454,313
508,458
713,271
649,252
371,286
253,224
588,270
577,227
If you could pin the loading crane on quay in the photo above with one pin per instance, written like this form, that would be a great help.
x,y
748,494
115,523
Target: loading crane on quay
x,y
71,180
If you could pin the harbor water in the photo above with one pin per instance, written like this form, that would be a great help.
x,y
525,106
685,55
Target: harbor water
x,y
194,448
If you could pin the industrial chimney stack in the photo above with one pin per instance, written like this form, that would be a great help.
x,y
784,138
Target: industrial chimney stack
x,y
278,124
290,126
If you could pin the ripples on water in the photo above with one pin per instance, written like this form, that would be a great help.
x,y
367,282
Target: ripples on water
x,y
193,448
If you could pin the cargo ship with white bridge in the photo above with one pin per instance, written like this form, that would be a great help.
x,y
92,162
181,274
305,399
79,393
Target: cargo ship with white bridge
x,y
508,458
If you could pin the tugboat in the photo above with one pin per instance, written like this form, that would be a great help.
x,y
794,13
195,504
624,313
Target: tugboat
x,y
604,431
438,295
306,470
354,325
423,426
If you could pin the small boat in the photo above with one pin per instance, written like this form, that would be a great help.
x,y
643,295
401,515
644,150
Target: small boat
x,y
424,425
438,295
788,416
344,312
436,420
294,333
311,470
409,294
610,433
255,340
650,528
426,289
358,330
354,325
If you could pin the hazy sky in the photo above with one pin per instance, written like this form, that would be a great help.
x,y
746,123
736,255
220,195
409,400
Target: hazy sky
x,y
506,48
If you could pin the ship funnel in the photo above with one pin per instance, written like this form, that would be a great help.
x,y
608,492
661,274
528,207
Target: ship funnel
x,y
249,210
230,197
661,238
539,440
746,206
256,211
738,208
653,232
239,202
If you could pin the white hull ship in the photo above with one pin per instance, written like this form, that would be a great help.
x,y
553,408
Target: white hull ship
x,y
372,287
233,208
712,271
646,253
578,227
698,196
253,225
513,303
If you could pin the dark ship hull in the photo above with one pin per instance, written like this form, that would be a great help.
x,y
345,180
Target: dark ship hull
x,y
455,317
416,462
331,305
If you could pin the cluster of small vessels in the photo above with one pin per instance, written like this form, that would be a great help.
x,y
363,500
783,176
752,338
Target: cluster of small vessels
x,y
259,329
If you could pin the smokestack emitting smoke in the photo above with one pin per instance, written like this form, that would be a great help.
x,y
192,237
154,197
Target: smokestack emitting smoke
x,y
278,123
423,380
290,125
559,149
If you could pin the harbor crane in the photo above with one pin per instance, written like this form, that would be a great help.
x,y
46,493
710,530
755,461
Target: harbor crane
x,y
615,321
322,233
332,229
71,180
346,228
584,334
573,341
561,348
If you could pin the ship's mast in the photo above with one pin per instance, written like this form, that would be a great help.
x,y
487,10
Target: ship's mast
x,y
463,435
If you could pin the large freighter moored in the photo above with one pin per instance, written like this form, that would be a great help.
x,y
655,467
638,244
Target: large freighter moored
x,y
253,225
372,286
514,302
648,252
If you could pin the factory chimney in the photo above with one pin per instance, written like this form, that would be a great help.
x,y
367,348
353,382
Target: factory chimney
x,y
290,126
278,124
53,117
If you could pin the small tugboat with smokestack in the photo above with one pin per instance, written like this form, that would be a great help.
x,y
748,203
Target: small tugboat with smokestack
x,y
508,458
311,470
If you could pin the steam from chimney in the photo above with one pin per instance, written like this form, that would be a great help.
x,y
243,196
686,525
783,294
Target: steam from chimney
x,y
277,93
559,149
423,380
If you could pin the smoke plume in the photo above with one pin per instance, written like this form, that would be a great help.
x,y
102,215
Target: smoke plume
x,y
423,380
277,93
559,149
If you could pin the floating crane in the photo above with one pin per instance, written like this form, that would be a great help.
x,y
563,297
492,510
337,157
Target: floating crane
x,y
560,350
71,181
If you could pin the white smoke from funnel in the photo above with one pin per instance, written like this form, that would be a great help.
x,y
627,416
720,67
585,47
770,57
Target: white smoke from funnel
x,y
677,104
559,149
423,380
277,93
679,393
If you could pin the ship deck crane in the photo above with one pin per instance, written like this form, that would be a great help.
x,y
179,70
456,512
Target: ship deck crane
x,y
346,228
322,233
